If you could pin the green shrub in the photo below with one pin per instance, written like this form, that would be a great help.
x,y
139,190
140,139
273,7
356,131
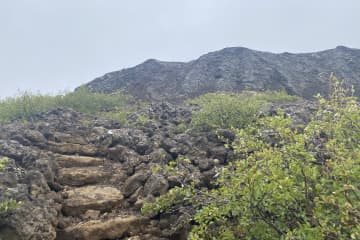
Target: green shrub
x,y
118,115
9,204
294,185
224,110
85,101
24,106
219,110
142,119
3,162
275,96
82,100
180,128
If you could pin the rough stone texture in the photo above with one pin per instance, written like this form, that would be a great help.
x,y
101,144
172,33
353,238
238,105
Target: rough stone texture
x,y
131,138
81,176
159,155
34,136
30,222
235,69
156,185
20,153
134,182
77,161
108,229
100,198
36,217
69,138
73,148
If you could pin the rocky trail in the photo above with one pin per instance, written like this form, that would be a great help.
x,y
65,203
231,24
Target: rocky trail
x,y
86,178
89,198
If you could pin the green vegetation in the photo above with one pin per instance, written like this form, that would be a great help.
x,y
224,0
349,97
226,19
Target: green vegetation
x,y
81,100
142,119
85,101
10,204
3,162
273,96
224,110
117,115
287,183
181,128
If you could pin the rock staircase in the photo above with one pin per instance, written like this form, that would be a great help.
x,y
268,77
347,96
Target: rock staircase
x,y
86,179
92,208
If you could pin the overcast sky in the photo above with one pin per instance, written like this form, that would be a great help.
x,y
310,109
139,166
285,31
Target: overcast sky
x,y
50,46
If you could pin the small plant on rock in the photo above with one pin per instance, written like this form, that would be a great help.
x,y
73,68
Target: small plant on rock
x,y
10,204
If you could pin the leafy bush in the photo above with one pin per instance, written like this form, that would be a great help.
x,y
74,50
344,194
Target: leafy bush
x,y
85,101
223,110
3,162
117,115
82,100
25,105
275,96
180,128
287,184
8,206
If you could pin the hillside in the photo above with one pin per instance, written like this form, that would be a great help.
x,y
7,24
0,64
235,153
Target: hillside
x,y
86,177
235,69
255,165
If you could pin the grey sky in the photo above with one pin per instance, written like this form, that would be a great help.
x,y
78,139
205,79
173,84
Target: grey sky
x,y
48,45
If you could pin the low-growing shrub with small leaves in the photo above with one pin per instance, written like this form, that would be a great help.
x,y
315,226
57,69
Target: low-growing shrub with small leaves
x,y
299,184
225,110
27,104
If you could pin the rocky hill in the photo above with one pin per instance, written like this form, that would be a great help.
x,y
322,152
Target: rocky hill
x,y
235,69
86,176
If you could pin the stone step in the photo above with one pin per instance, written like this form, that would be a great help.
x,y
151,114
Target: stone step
x,y
67,161
68,138
101,198
73,148
114,228
80,176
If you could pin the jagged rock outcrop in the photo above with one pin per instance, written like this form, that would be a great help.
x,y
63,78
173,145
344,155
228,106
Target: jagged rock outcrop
x,y
235,69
